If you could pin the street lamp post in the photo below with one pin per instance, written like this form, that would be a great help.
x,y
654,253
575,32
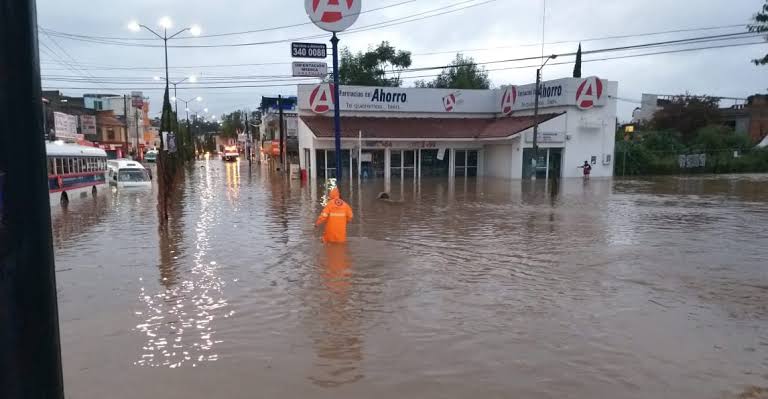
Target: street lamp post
x,y
186,109
165,23
535,159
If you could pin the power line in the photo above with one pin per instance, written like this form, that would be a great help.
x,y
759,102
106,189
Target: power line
x,y
157,68
274,78
627,36
427,76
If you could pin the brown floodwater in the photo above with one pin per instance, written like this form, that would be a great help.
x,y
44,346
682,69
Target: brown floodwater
x,y
643,288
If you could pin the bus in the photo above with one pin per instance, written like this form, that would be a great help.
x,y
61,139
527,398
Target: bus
x,y
74,171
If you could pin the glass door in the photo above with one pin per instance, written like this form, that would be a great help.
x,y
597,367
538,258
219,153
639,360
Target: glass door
x,y
466,163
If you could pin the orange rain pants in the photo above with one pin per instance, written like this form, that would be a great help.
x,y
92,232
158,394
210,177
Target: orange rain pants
x,y
336,215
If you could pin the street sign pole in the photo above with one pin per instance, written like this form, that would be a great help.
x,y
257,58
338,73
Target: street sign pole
x,y
336,106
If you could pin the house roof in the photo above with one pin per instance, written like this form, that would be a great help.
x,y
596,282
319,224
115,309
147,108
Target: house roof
x,y
108,120
425,128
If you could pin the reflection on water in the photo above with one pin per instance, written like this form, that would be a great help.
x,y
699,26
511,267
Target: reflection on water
x,y
335,326
179,321
638,288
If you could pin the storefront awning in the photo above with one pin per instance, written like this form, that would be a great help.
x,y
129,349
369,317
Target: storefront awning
x,y
425,128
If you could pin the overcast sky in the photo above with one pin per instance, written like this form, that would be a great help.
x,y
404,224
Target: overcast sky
x,y
485,30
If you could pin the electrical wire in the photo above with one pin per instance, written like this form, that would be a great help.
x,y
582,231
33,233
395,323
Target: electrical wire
x,y
489,70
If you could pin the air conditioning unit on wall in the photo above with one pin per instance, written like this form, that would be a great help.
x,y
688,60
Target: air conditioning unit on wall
x,y
607,159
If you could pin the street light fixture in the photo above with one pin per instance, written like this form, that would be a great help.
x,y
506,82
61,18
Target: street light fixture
x,y
165,23
535,158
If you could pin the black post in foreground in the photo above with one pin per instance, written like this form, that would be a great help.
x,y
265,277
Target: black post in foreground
x,y
281,131
535,158
30,357
336,106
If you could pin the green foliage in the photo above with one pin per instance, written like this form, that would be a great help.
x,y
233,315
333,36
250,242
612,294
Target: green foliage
x,y
658,153
463,73
665,140
760,25
687,114
232,124
577,66
372,67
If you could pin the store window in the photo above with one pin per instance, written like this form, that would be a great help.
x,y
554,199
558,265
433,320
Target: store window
x,y
466,163
403,163
435,163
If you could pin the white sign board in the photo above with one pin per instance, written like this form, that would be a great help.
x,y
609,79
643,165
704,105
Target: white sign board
x,y
546,137
319,99
88,124
333,15
582,93
64,125
310,69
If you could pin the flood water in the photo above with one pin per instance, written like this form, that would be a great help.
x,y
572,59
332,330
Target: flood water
x,y
646,288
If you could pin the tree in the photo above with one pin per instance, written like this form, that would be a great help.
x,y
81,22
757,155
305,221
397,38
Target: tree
x,y
577,67
232,125
687,114
463,73
372,67
760,25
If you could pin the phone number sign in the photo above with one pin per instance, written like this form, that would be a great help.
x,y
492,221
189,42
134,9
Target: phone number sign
x,y
309,50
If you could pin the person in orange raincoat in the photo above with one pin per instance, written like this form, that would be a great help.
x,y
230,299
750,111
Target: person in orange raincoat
x,y
335,215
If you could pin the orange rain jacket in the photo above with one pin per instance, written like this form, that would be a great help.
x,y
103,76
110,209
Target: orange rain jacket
x,y
336,215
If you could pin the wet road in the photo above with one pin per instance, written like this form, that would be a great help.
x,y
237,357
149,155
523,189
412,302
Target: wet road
x,y
628,289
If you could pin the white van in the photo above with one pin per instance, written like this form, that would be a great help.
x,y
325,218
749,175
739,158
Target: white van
x,y
125,173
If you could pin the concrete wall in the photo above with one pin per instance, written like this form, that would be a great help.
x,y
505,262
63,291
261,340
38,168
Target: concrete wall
x,y
498,160
592,134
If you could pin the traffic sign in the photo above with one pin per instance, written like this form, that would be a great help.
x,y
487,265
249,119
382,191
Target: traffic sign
x,y
333,15
309,50
310,69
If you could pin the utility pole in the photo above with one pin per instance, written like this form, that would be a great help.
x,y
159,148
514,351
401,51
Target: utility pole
x,y
138,153
247,139
30,355
282,140
125,113
535,159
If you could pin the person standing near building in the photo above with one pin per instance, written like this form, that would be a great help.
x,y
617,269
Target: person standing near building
x,y
587,169
335,215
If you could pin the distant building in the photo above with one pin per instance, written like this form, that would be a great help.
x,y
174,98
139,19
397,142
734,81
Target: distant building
x,y
112,134
135,116
748,116
69,111
270,127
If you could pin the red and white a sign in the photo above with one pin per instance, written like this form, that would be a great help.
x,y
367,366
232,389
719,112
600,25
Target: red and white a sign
x,y
508,100
449,102
333,15
589,92
321,98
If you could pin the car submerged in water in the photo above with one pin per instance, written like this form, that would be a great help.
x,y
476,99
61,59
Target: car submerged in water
x,y
230,154
125,173
151,156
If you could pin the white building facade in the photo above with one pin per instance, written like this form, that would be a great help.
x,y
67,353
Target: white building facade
x,y
395,132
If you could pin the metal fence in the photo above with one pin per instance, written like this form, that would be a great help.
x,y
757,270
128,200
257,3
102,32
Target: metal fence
x,y
635,160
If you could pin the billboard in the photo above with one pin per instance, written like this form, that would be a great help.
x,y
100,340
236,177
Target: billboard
x,y
64,125
584,93
88,124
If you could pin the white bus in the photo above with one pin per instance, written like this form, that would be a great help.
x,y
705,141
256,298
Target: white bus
x,y
126,173
74,171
